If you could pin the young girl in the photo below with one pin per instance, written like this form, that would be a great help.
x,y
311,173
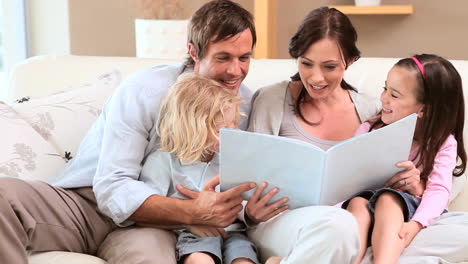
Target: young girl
x,y
429,86
192,114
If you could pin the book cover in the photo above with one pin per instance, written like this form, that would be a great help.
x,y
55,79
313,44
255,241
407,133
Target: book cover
x,y
308,175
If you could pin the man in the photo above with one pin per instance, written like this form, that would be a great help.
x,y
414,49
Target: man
x,y
69,215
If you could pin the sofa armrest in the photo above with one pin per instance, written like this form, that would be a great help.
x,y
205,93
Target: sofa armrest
x,y
460,203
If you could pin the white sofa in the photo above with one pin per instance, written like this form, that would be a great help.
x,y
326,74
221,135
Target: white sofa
x,y
67,93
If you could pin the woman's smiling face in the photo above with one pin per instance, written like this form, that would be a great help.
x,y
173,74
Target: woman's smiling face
x,y
322,68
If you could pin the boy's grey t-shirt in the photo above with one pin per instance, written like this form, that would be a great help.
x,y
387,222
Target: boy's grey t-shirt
x,y
163,171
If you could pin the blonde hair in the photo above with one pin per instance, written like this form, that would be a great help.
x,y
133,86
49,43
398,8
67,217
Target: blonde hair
x,y
190,113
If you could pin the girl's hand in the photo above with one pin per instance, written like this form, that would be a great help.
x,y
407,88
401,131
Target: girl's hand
x,y
206,231
408,180
408,231
259,210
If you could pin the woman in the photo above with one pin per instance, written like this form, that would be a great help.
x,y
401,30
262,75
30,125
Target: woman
x,y
319,107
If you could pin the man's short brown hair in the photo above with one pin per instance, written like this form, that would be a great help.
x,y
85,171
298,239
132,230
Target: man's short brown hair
x,y
215,21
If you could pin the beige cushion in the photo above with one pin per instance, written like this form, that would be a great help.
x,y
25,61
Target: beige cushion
x,y
64,118
60,257
460,202
25,154
458,184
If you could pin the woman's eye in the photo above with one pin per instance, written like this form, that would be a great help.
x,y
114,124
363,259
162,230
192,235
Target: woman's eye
x,y
330,67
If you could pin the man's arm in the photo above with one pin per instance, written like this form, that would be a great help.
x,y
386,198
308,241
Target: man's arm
x,y
212,208
129,117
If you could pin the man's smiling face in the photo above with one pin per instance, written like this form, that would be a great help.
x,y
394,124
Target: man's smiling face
x,y
227,61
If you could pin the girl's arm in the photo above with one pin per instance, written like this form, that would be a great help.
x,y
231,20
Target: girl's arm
x,y
436,197
363,128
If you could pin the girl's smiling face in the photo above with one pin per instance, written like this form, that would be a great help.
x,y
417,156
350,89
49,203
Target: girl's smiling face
x,y
400,96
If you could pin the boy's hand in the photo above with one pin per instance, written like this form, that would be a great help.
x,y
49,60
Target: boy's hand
x,y
408,231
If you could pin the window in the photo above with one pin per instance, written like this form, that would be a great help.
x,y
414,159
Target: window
x,y
13,47
2,74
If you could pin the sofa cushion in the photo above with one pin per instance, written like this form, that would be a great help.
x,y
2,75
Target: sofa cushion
x,y
25,154
60,257
458,185
63,118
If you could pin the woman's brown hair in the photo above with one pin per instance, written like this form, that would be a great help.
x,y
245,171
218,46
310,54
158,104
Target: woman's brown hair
x,y
323,23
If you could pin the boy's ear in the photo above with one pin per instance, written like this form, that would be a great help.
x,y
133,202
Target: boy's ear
x,y
192,52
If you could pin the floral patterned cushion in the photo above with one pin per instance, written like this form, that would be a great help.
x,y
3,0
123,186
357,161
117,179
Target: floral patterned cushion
x,y
64,118
25,154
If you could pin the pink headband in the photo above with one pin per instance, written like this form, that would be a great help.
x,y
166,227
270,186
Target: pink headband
x,y
420,66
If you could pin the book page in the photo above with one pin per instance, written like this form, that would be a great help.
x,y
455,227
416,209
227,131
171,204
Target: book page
x,y
295,167
367,161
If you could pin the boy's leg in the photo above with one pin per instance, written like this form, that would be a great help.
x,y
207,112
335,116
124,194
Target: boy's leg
x,y
386,244
35,216
191,248
237,248
358,206
198,258
315,234
139,245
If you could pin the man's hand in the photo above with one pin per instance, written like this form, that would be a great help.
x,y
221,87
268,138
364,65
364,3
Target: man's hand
x,y
408,231
408,180
217,209
258,210
206,231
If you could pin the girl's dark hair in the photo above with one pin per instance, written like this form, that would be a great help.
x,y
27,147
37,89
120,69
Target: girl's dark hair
x,y
441,92
323,23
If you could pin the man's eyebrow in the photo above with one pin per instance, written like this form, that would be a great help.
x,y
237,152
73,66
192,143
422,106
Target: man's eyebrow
x,y
229,54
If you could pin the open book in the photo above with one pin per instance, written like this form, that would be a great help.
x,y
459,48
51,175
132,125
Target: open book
x,y
308,175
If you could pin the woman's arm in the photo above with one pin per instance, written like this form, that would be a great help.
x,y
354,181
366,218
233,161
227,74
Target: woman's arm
x,y
267,109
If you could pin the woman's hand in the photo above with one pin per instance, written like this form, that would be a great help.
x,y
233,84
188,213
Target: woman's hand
x,y
206,231
408,180
408,231
258,210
